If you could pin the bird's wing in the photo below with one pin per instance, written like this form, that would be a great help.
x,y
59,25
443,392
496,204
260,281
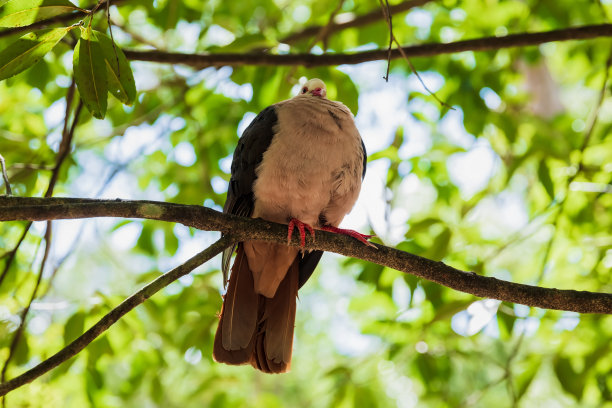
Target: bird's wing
x,y
365,159
248,154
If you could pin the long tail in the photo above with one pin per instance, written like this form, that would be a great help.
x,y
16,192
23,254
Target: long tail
x,y
255,329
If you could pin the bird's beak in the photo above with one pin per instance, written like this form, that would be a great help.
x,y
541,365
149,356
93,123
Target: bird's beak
x,y
317,92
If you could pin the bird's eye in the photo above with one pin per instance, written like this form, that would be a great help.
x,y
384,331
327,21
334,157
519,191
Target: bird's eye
x,y
304,90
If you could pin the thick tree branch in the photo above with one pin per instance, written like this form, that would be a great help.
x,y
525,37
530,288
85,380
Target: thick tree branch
x,y
423,50
114,315
38,209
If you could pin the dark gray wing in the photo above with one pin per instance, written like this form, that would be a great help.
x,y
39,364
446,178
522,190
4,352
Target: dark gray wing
x,y
365,159
248,154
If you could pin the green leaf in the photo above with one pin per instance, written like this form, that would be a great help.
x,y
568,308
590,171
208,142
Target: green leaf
x,y
121,82
74,327
28,50
19,13
523,380
90,73
97,349
571,381
544,176
22,352
439,248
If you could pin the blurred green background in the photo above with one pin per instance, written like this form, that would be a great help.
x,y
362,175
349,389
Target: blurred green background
x,y
514,183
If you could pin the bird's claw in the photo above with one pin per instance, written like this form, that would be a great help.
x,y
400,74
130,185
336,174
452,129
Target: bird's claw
x,y
363,238
302,227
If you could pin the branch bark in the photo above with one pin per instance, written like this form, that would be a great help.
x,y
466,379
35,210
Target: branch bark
x,y
239,228
114,315
423,50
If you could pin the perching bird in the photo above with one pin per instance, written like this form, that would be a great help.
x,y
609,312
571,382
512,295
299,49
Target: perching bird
x,y
300,162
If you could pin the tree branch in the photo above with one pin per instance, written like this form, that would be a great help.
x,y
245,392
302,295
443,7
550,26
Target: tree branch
x,y
37,209
423,50
114,315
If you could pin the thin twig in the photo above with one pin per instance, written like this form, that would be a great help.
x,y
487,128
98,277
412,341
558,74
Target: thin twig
x,y
30,166
69,99
110,30
114,315
441,102
64,149
5,176
387,14
13,252
36,209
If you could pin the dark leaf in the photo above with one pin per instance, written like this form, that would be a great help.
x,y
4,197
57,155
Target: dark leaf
x,y
90,73
121,82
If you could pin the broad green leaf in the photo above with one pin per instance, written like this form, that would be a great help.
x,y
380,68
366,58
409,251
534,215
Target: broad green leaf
x,y
439,248
22,352
74,327
120,77
571,381
90,74
19,13
523,380
28,50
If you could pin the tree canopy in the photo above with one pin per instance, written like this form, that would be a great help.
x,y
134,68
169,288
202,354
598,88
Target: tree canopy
x,y
488,126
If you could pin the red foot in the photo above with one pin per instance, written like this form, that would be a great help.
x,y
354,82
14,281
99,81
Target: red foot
x,y
301,226
351,233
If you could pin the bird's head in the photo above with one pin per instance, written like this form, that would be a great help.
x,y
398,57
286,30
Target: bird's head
x,y
314,87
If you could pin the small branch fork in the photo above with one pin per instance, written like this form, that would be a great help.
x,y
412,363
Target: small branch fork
x,y
237,229
387,13
114,315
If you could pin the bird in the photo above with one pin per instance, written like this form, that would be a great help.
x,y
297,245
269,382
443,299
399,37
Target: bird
x,y
300,162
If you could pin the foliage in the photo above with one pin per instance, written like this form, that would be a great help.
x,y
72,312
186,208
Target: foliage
x,y
514,183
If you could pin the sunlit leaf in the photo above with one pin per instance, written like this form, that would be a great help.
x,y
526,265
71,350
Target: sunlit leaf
x,y
28,50
439,248
19,13
22,352
74,327
572,381
544,176
525,378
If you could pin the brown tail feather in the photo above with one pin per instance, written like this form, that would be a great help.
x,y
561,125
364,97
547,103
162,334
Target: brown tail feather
x,y
234,337
269,344
274,342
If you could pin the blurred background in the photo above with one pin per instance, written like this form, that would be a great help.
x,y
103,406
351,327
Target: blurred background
x,y
514,182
